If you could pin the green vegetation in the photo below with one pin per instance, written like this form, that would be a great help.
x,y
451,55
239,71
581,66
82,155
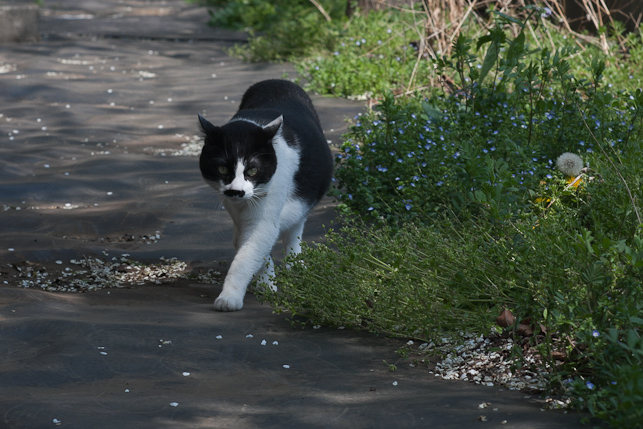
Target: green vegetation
x,y
457,204
279,30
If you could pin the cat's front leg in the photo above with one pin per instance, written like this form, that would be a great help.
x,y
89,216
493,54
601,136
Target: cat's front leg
x,y
248,261
234,286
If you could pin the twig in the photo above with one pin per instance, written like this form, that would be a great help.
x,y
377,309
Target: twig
x,y
464,18
321,9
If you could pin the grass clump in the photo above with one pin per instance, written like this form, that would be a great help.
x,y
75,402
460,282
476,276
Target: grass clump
x,y
279,30
385,280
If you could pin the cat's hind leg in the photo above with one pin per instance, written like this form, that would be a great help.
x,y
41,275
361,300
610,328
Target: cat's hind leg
x,y
291,238
266,274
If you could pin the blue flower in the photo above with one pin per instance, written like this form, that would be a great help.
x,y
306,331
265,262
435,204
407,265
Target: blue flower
x,y
590,385
408,206
595,333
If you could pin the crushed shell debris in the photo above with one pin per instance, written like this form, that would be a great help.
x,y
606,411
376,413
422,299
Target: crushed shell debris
x,y
489,361
93,273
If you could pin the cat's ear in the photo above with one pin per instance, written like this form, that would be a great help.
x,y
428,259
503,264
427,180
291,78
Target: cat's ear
x,y
207,127
272,128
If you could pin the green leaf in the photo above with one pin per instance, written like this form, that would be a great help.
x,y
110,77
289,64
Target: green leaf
x,y
483,40
509,18
636,320
491,57
431,111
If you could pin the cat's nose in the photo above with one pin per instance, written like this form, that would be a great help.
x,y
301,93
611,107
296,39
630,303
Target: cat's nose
x,y
234,193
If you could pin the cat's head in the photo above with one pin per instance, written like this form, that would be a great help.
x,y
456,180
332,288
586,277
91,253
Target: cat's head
x,y
238,159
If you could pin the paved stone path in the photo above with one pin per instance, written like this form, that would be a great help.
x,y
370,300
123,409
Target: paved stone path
x,y
98,159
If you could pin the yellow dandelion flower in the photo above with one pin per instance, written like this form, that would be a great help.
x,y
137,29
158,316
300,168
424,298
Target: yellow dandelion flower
x,y
574,181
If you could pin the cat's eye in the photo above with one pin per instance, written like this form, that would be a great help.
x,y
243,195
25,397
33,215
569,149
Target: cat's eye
x,y
223,169
251,171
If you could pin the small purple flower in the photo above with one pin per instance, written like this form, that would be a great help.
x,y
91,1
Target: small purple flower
x,y
595,333
590,385
408,206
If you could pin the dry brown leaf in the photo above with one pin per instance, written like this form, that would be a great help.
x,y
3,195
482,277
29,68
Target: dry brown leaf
x,y
505,319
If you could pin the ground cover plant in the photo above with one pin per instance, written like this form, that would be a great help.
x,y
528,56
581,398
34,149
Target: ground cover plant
x,y
515,185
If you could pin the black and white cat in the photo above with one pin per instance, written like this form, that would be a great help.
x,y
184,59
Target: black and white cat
x,y
272,164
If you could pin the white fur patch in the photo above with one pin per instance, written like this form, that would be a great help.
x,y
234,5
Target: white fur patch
x,y
239,183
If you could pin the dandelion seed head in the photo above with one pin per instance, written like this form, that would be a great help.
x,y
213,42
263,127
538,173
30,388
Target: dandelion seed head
x,y
569,164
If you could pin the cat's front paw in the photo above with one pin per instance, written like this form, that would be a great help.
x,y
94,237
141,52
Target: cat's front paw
x,y
228,303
